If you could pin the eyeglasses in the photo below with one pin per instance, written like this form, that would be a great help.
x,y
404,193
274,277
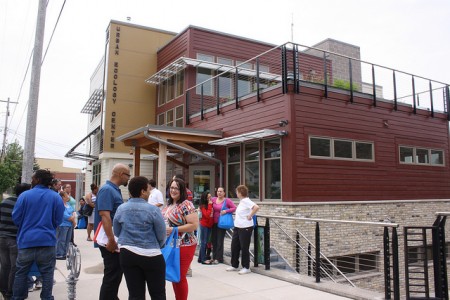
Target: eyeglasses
x,y
174,188
126,174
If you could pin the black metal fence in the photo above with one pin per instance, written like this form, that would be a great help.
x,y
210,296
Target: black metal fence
x,y
302,65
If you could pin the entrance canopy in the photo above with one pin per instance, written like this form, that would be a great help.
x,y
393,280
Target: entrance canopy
x,y
161,139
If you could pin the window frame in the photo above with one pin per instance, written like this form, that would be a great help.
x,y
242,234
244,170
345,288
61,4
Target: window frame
x,y
332,149
415,157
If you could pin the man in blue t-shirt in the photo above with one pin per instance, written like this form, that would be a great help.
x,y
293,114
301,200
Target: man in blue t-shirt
x,y
37,213
108,200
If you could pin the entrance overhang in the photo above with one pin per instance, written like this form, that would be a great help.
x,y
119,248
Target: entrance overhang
x,y
161,139
249,136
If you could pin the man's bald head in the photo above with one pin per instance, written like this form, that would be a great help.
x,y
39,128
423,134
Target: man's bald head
x,y
120,174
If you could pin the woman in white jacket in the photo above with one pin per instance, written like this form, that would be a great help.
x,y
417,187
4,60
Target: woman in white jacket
x,y
242,233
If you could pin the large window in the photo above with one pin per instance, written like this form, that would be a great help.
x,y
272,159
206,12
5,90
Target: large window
x,y
171,88
272,169
204,74
251,166
421,156
333,148
233,170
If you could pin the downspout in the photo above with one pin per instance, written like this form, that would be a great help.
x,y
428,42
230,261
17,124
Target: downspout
x,y
207,157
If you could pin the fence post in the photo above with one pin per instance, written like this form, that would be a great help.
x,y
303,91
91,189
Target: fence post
x,y
255,245
374,89
395,265
201,102
325,74
297,252
317,269
387,270
395,90
414,95
267,245
350,69
186,112
309,260
284,71
258,93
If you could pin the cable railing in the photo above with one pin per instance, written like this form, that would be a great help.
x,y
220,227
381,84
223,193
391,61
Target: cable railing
x,y
355,253
220,85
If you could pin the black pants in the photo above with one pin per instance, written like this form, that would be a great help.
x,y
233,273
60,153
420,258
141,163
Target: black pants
x,y
112,275
139,270
217,238
240,242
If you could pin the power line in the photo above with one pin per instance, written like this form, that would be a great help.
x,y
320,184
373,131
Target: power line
x,y
53,32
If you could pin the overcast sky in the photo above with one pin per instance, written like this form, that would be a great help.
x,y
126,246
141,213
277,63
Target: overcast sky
x,y
408,35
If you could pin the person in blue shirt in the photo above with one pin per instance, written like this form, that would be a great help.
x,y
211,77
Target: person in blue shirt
x,y
64,230
109,198
37,213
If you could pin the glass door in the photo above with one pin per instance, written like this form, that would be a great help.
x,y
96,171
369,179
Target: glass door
x,y
201,179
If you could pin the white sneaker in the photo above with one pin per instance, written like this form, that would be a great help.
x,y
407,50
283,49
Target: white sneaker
x,y
244,271
231,269
31,288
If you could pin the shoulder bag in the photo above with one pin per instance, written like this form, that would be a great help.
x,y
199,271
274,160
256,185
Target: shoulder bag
x,y
171,253
225,220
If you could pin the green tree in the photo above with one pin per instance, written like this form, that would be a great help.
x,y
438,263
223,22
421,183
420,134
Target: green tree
x,y
11,167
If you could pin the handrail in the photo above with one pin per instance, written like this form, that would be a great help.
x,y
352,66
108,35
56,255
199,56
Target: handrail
x,y
323,255
383,224
442,214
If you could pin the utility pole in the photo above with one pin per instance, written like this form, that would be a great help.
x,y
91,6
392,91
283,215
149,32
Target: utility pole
x,y
30,133
6,128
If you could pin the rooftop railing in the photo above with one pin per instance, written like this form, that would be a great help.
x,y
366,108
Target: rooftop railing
x,y
220,85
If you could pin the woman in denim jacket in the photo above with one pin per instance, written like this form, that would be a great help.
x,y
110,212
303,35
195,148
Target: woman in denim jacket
x,y
141,233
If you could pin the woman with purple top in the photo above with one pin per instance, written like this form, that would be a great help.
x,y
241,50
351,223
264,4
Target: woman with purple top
x,y
218,234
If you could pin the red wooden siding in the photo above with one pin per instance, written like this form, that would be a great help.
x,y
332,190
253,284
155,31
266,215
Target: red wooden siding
x,y
385,178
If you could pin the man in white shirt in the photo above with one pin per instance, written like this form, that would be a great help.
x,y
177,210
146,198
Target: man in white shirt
x,y
156,197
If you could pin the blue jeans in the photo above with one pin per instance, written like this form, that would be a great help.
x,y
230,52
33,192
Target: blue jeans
x,y
8,256
63,235
204,235
45,260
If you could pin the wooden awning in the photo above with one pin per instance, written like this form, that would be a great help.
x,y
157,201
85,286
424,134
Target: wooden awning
x,y
161,139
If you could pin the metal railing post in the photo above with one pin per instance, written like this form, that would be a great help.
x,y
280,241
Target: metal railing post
x,y
284,71
317,268
395,264
414,96
297,252
218,96
325,74
374,87
267,245
387,271
309,260
350,69
395,90
447,99
255,245
201,102
431,99
236,90
258,94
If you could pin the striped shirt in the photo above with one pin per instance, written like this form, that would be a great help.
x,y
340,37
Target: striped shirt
x,y
7,227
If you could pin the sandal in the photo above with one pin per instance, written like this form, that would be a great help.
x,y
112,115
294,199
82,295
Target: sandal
x,y
89,239
206,262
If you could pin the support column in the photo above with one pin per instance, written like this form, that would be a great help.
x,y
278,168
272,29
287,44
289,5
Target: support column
x,y
162,167
136,161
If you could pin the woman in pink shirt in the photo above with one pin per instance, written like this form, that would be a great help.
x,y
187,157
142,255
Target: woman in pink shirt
x,y
218,234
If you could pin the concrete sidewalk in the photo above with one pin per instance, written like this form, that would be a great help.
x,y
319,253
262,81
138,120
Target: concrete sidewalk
x,y
208,282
